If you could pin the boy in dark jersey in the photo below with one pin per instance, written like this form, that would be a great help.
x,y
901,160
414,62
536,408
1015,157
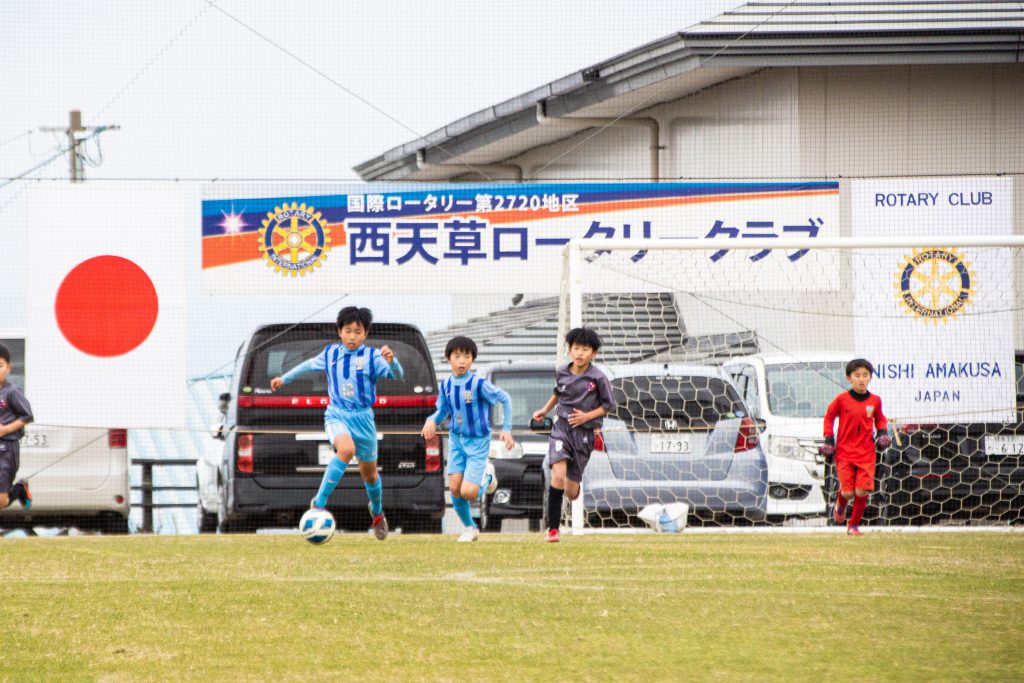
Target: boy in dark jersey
x,y
583,397
15,413
862,429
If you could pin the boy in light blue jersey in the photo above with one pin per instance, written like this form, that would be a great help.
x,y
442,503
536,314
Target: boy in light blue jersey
x,y
468,400
352,372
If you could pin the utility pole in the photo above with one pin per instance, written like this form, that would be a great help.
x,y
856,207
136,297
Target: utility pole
x,y
74,132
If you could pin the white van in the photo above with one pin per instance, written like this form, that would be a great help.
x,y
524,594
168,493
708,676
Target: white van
x,y
790,394
78,477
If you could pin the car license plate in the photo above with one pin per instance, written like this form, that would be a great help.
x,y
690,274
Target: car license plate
x,y
1005,444
34,440
670,444
324,453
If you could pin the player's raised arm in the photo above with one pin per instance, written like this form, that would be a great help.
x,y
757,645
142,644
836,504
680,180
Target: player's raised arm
x,y
314,364
387,365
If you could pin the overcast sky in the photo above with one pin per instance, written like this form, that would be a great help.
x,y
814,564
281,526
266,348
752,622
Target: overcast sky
x,y
198,96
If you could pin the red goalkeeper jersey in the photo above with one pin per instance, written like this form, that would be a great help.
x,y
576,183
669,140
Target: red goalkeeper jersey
x,y
859,416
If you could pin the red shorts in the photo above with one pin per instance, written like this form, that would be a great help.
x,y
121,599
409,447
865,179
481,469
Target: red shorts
x,y
855,475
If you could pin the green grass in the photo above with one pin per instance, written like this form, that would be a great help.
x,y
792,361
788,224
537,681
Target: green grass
x,y
695,607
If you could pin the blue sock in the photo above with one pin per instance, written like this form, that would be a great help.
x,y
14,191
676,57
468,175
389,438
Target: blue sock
x,y
335,470
461,507
374,492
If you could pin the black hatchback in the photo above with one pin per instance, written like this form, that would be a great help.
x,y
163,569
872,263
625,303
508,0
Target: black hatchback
x,y
276,450
519,472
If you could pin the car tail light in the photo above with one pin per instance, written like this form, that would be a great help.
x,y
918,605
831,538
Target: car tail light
x,y
433,455
243,454
599,441
914,428
747,438
117,438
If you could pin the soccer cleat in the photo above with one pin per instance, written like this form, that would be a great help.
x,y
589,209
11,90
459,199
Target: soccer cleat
x,y
314,506
26,495
379,524
553,536
469,535
839,515
852,530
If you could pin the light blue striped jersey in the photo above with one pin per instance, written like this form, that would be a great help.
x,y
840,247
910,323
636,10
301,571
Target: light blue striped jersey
x,y
351,375
468,399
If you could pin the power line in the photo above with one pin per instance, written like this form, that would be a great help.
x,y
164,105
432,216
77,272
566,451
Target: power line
x,y
16,137
75,127
350,92
153,60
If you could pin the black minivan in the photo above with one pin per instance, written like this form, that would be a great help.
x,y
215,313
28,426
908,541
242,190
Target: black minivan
x,y
276,450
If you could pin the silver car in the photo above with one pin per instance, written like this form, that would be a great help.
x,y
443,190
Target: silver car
x,y
679,433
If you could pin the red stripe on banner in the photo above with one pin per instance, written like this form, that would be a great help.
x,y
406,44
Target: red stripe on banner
x,y
400,401
223,250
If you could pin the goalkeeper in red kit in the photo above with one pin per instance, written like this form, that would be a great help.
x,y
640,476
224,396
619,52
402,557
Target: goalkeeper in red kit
x,y
862,429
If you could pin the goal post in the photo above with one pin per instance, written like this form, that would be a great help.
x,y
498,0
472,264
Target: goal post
x,y
724,355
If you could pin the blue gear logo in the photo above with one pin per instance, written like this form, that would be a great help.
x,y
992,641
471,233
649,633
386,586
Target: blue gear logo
x,y
294,239
935,284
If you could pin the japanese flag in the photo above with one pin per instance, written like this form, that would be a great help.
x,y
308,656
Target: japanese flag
x,y
106,306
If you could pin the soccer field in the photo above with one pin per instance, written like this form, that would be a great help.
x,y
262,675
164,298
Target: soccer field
x,y
917,607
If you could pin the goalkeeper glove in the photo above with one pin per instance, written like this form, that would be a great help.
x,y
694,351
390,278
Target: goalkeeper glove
x,y
828,451
883,441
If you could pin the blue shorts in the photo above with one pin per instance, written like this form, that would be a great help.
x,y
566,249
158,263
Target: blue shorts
x,y
360,426
468,457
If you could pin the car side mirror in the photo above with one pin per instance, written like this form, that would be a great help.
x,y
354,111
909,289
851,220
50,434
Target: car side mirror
x,y
543,425
222,403
761,423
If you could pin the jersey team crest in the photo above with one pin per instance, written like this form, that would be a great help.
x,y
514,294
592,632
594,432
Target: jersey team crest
x,y
294,239
934,284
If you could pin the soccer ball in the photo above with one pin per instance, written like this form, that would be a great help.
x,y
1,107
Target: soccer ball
x,y
317,526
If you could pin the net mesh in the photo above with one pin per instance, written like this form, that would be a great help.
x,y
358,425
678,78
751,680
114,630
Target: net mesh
x,y
723,408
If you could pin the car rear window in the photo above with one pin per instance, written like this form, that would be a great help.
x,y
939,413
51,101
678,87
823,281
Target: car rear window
x,y
278,354
529,391
648,401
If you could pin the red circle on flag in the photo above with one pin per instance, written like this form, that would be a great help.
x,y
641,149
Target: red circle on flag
x,y
106,306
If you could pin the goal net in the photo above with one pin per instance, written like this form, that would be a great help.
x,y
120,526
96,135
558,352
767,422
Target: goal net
x,y
724,355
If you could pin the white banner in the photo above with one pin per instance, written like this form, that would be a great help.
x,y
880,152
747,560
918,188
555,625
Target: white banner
x,y
106,306
508,238
936,322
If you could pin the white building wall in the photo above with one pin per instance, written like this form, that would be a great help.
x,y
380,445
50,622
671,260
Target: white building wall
x,y
817,123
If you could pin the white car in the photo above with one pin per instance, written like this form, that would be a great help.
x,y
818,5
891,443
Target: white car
x,y
78,476
789,396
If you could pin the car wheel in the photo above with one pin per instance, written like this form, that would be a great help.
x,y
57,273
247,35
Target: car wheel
x,y
114,524
544,510
207,521
224,524
485,514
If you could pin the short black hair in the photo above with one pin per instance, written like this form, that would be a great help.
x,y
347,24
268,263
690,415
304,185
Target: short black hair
x,y
5,354
857,364
583,336
460,344
352,314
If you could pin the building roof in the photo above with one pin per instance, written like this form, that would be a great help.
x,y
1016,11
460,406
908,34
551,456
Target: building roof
x,y
755,36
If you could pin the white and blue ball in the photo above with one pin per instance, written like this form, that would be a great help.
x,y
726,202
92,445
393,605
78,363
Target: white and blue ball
x,y
317,526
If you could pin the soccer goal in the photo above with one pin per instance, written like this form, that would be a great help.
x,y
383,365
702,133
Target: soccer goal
x,y
725,354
